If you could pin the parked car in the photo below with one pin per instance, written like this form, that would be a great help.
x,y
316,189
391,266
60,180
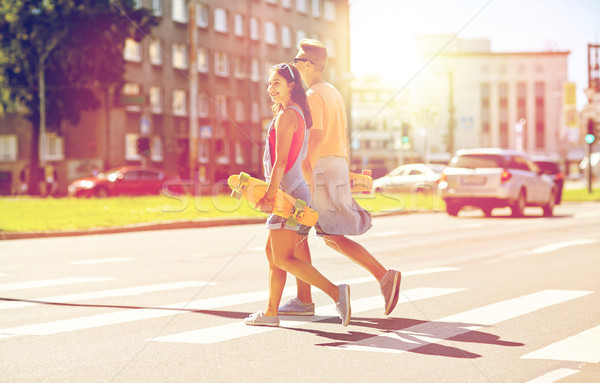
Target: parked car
x,y
411,178
488,178
127,180
551,167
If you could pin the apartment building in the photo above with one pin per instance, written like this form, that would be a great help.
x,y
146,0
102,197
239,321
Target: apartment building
x,y
213,91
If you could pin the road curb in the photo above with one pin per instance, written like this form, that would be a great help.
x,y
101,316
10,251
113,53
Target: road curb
x,y
168,225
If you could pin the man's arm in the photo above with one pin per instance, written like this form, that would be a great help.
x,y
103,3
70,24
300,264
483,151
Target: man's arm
x,y
314,148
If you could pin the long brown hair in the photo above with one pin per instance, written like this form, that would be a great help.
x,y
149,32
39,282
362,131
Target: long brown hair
x,y
291,75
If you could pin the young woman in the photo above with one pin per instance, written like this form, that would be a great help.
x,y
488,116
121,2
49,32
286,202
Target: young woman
x,y
285,149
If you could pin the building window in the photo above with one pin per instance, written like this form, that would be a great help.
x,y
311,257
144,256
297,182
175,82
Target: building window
x,y
539,115
156,103
301,6
202,60
254,35
180,56
53,147
331,51
179,102
239,25
157,7
503,110
255,71
137,4
240,113
179,11
485,114
329,12
270,33
221,64
131,153
133,51
316,8
238,67
203,105
222,151
286,37
220,20
132,89
255,114
203,151
221,112
156,148
271,2
155,52
8,147
239,153
300,35
202,15
286,3
522,108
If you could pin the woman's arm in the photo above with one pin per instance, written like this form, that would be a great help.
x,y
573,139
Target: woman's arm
x,y
286,124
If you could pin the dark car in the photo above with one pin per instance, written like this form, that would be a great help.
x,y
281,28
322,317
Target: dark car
x,y
552,168
127,180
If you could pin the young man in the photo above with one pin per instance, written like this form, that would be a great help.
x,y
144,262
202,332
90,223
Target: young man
x,y
326,169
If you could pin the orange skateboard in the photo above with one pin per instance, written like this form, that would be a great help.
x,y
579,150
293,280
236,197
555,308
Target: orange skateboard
x,y
361,182
286,206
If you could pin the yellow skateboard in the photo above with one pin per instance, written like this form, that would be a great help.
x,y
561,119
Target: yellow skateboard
x,y
286,206
361,182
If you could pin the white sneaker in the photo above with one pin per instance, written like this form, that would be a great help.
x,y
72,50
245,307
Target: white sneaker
x,y
343,304
296,307
260,319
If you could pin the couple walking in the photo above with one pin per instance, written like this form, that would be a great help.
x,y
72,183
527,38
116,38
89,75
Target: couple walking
x,y
306,156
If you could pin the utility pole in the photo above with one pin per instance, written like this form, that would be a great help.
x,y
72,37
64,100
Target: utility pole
x,y
450,143
594,87
193,91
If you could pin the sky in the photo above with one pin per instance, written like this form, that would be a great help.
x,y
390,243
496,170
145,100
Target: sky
x,y
382,31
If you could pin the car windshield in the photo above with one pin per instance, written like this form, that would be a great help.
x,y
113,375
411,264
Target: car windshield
x,y
548,167
437,168
473,161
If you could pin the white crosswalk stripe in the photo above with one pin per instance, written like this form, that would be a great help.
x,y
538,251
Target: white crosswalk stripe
x,y
436,331
50,282
238,330
583,347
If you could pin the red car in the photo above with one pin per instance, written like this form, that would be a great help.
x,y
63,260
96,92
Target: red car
x,y
126,180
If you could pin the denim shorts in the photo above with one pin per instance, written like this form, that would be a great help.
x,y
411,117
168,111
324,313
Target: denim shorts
x,y
275,222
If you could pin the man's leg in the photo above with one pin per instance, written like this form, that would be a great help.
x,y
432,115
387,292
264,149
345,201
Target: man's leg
x,y
357,253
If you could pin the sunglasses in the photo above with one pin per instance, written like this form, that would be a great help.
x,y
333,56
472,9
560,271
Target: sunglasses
x,y
296,59
283,66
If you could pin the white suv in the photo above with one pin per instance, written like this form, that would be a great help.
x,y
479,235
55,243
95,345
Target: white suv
x,y
489,178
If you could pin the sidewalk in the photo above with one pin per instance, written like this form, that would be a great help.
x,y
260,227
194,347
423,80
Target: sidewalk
x,y
580,184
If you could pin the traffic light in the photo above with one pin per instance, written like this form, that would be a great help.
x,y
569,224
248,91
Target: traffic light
x,y
590,137
405,137
143,146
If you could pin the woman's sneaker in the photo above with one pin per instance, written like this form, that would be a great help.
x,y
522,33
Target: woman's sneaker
x,y
297,307
260,319
390,289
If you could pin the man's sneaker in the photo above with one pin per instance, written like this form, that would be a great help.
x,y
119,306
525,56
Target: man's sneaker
x,y
297,307
343,304
390,289
260,319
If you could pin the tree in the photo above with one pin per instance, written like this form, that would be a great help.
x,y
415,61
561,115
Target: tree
x,y
54,54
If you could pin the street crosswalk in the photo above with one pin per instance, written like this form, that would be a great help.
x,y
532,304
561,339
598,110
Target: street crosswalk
x,y
582,346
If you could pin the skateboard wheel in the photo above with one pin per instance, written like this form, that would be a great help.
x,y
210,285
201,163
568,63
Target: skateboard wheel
x,y
236,194
292,222
244,177
299,205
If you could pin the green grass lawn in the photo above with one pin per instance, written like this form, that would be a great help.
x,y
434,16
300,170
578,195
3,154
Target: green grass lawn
x,y
24,214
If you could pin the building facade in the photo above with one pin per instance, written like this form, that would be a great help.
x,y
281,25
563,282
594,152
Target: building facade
x,y
467,97
213,91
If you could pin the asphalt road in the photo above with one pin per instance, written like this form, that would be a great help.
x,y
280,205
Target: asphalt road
x,y
483,300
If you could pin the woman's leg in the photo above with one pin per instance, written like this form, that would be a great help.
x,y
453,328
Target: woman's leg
x,y
277,279
283,243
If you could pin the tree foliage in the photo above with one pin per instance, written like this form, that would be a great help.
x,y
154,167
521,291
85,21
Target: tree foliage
x,y
79,42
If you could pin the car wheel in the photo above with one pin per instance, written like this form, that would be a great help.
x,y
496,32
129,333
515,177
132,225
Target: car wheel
x,y
518,206
549,207
101,193
452,209
487,211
